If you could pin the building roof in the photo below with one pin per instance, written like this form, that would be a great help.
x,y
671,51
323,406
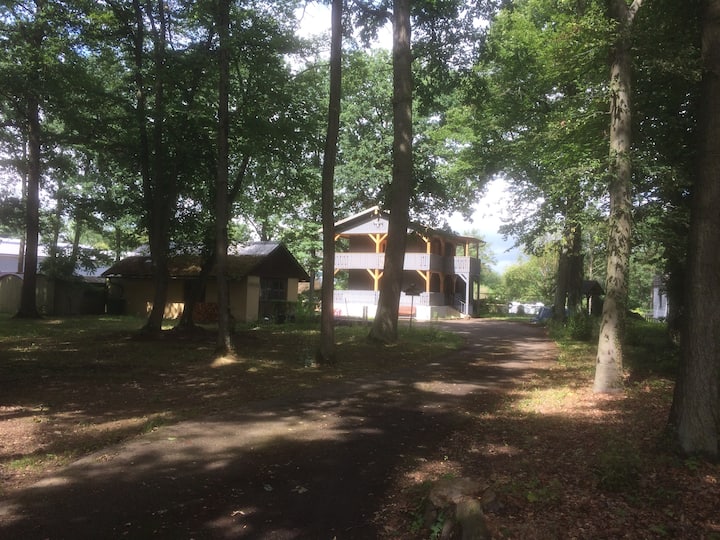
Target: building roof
x,y
378,219
263,259
591,287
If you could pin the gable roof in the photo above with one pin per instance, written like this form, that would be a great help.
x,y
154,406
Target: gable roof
x,y
375,220
591,287
263,259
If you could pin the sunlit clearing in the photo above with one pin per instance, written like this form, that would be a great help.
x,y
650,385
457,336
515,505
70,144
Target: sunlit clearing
x,y
453,389
225,360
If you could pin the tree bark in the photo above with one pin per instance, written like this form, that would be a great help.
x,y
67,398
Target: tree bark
x,y
609,361
384,328
24,189
162,191
193,295
696,405
561,281
575,273
326,352
224,345
28,293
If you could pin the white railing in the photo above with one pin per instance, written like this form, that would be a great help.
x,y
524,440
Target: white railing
x,y
464,265
341,297
359,261
413,261
355,297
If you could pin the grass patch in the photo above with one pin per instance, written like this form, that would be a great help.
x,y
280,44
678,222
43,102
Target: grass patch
x,y
649,350
618,467
36,463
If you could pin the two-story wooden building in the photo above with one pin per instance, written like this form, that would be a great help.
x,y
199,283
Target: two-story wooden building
x,y
441,272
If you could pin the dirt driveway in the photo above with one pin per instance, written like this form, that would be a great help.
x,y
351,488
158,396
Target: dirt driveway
x,y
316,466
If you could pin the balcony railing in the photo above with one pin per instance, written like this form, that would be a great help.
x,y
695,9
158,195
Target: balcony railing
x,y
370,298
413,261
464,265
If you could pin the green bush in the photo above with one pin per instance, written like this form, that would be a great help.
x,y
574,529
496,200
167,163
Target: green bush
x,y
650,349
580,327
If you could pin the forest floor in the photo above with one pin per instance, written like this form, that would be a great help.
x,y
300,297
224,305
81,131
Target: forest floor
x,y
106,435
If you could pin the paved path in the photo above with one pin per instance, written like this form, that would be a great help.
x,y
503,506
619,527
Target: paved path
x,y
312,467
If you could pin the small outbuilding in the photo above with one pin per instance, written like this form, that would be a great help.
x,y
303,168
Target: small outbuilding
x,y
263,282
593,292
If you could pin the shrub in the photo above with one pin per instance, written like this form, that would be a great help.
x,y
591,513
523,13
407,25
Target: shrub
x,y
580,327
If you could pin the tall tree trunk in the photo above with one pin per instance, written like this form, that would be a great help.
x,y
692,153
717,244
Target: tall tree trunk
x,y
384,328
575,277
696,405
224,345
28,294
57,222
193,295
326,352
163,191
561,280
75,253
609,361
24,190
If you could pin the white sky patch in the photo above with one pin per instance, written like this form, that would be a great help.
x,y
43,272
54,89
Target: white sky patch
x,y
315,20
488,215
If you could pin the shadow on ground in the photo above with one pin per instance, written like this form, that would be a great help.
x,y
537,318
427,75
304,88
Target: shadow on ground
x,y
313,466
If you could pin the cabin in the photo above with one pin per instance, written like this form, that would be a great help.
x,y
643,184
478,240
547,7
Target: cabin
x,y
441,272
262,277
592,292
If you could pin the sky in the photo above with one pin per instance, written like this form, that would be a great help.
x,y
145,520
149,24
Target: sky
x,y
491,207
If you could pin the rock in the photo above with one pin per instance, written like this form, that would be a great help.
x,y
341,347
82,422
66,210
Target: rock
x,y
469,516
490,501
459,498
449,491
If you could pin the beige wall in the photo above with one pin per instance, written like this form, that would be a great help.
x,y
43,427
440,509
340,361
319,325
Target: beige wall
x,y
244,297
292,289
138,294
245,303
11,290
10,287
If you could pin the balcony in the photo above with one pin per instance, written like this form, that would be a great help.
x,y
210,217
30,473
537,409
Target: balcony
x,y
464,265
413,261
370,298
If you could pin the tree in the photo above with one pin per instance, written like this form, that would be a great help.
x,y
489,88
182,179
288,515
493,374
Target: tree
x,y
696,404
40,64
532,279
326,352
27,28
384,328
666,81
159,176
538,104
609,361
224,346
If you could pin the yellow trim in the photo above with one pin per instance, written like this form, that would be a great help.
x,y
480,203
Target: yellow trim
x,y
375,275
